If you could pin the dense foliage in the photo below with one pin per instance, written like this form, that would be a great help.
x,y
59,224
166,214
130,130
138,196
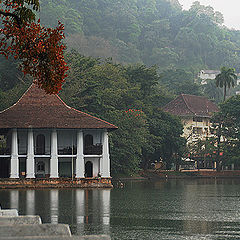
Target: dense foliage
x,y
148,31
130,97
229,118
223,147
153,32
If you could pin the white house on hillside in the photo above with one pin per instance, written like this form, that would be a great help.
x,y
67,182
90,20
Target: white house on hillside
x,y
207,74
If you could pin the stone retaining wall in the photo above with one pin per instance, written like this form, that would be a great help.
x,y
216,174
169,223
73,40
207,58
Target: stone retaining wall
x,y
56,183
201,173
31,228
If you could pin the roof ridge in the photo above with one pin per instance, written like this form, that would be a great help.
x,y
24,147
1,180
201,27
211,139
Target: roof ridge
x,y
17,100
187,104
84,112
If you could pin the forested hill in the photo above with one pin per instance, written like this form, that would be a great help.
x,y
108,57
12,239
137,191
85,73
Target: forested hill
x,y
146,31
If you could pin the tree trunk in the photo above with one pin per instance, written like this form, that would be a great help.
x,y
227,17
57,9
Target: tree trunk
x,y
224,93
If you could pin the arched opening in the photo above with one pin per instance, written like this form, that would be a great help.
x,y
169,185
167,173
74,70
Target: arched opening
x,y
40,144
88,169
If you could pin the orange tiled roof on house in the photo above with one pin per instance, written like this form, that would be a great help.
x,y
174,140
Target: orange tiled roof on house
x,y
191,105
36,109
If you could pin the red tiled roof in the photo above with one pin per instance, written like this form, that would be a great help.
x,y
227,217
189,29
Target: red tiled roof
x,y
191,105
36,109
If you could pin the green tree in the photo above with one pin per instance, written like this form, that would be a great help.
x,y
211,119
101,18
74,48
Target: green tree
x,y
128,96
226,126
164,141
226,79
179,81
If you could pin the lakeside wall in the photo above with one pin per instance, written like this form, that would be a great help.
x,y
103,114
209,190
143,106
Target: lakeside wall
x,y
6,183
201,173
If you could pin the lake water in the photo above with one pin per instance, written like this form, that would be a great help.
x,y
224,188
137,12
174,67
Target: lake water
x,y
168,209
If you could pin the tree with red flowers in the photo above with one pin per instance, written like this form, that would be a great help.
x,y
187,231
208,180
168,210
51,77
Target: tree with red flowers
x,y
39,49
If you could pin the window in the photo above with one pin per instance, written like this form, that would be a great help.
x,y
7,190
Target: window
x,y
197,130
88,140
197,119
40,144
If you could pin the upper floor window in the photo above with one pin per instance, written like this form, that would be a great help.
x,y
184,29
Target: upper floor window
x,y
197,119
197,130
88,140
40,144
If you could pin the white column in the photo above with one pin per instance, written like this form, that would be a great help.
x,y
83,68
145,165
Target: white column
x,y
30,156
80,167
105,163
54,155
14,156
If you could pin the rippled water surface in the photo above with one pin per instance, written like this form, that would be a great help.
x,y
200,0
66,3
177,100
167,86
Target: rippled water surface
x,y
173,209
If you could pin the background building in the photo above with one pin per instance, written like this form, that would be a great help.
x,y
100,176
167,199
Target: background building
x,y
195,113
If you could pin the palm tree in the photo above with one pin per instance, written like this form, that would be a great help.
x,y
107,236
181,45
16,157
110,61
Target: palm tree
x,y
226,79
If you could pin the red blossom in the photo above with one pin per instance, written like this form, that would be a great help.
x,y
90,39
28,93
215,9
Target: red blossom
x,y
39,49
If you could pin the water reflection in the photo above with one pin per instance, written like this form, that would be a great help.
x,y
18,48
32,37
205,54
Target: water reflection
x,y
84,209
30,202
168,209
80,211
14,195
54,205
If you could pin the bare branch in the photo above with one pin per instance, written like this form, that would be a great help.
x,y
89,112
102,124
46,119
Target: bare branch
x,y
8,14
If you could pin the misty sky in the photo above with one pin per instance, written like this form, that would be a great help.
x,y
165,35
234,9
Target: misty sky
x,y
229,8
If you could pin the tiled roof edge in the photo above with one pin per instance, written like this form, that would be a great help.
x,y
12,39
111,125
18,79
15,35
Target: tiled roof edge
x,y
187,104
17,100
85,113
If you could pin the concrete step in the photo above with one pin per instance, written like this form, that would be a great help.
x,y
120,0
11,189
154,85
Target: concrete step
x,y
11,220
9,212
89,237
34,230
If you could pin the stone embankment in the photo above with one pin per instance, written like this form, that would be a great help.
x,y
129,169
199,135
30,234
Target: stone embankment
x,y
198,173
7,183
15,227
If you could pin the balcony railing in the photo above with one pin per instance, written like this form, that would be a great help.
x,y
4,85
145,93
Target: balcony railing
x,y
93,149
67,151
5,151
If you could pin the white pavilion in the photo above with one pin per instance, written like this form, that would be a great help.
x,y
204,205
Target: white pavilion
x,y
42,137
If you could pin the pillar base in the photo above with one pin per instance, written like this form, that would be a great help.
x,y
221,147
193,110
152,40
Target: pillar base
x,y
80,176
54,176
30,176
14,176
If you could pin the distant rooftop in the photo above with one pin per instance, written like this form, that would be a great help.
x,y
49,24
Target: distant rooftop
x,y
210,71
191,105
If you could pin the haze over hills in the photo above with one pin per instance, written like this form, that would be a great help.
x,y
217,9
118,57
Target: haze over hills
x,y
151,32
148,31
